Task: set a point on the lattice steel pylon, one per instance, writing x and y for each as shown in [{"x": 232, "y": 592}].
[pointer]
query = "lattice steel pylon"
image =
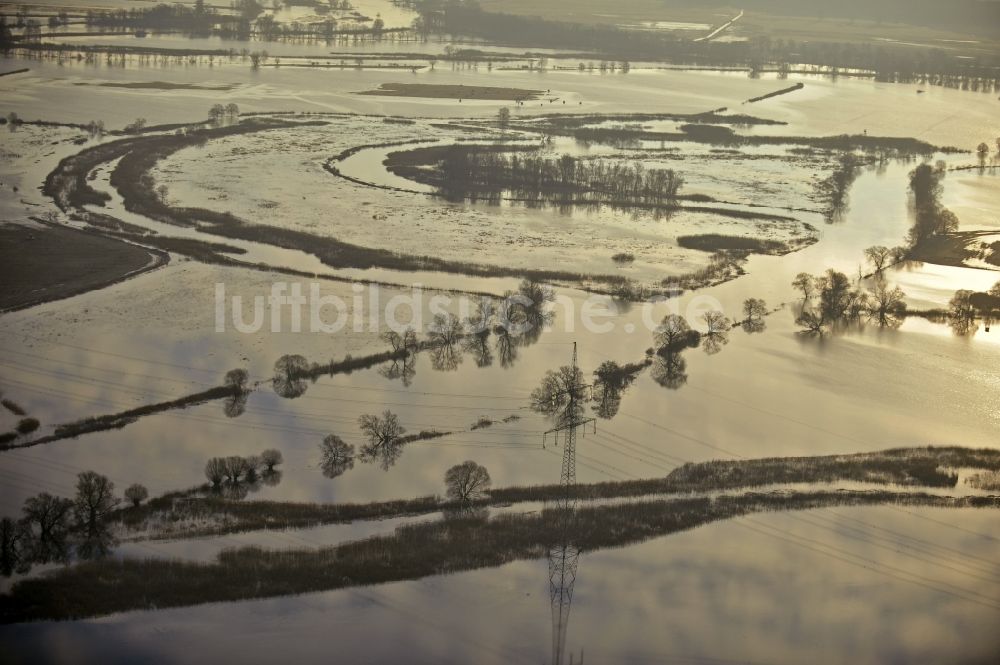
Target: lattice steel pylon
[{"x": 563, "y": 553}]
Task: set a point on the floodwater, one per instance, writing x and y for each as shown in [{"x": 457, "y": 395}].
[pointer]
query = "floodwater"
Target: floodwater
[
  {"x": 868, "y": 585},
  {"x": 858, "y": 585}
]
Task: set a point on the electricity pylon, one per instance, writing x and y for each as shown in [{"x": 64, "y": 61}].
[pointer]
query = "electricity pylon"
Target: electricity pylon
[{"x": 563, "y": 552}]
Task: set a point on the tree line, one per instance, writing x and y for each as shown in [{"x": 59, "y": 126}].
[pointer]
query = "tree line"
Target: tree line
[
  {"x": 559, "y": 179},
  {"x": 454, "y": 18},
  {"x": 55, "y": 529}
]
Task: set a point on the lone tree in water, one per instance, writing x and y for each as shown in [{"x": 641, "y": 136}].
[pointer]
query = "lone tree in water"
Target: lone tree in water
[
  {"x": 95, "y": 499},
  {"x": 136, "y": 494},
  {"x": 754, "y": 309},
  {"x": 336, "y": 451},
  {"x": 380, "y": 432},
  {"x": 878, "y": 255},
  {"x": 337, "y": 456},
  {"x": 887, "y": 306},
  {"x": 805, "y": 283},
  {"x": 962, "y": 312},
  {"x": 674, "y": 333},
  {"x": 467, "y": 481},
  {"x": 271, "y": 458}
]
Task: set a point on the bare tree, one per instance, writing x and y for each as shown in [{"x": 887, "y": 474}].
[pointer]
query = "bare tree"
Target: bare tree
[
  {"x": 235, "y": 466},
  {"x": 717, "y": 331},
  {"x": 135, "y": 126},
  {"x": 558, "y": 388},
  {"x": 835, "y": 295},
  {"x": 877, "y": 256},
  {"x": 380, "y": 431},
  {"x": 335, "y": 450},
  {"x": 859, "y": 302},
  {"x": 271, "y": 458},
  {"x": 446, "y": 330},
  {"x": 236, "y": 403},
  {"x": 467, "y": 481},
  {"x": 754, "y": 309},
  {"x": 674, "y": 333},
  {"x": 716, "y": 322},
  {"x": 95, "y": 499},
  {"x": 136, "y": 494},
  {"x": 216, "y": 113},
  {"x": 15, "y": 537},
  {"x": 252, "y": 465},
  {"x": 670, "y": 371},
  {"x": 289, "y": 376},
  {"x": 50, "y": 513},
  {"x": 887, "y": 306},
  {"x": 811, "y": 322},
  {"x": 961, "y": 312},
  {"x": 805, "y": 283},
  {"x": 536, "y": 292},
  {"x": 503, "y": 118},
  {"x": 236, "y": 379},
  {"x": 393, "y": 339},
  {"x": 215, "y": 470}
]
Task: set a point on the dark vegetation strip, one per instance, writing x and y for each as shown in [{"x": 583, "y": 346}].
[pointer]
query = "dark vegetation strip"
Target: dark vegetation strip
[
  {"x": 120, "y": 420},
  {"x": 901, "y": 466},
  {"x": 124, "y": 418},
  {"x": 414, "y": 551},
  {"x": 714, "y": 242},
  {"x": 13, "y": 407},
  {"x": 783, "y": 91},
  {"x": 716, "y": 135},
  {"x": 15, "y": 71},
  {"x": 453, "y": 91},
  {"x": 714, "y": 117}
]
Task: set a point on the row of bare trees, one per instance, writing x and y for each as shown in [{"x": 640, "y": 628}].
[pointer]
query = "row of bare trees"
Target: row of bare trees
[
  {"x": 832, "y": 298},
  {"x": 57, "y": 529},
  {"x": 236, "y": 469}
]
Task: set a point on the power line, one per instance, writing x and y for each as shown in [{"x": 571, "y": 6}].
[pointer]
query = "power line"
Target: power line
[{"x": 860, "y": 561}]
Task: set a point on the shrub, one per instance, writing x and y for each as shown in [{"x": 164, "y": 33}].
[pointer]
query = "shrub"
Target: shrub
[
  {"x": 27, "y": 425},
  {"x": 136, "y": 494},
  {"x": 623, "y": 257}
]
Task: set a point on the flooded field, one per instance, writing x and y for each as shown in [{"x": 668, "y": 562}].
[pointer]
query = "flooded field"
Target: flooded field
[{"x": 298, "y": 189}]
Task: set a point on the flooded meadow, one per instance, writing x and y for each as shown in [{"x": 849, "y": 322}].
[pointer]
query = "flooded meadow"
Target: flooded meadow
[{"x": 284, "y": 245}]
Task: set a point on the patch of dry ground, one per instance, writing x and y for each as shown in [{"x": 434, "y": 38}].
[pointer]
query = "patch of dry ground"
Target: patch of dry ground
[{"x": 42, "y": 263}]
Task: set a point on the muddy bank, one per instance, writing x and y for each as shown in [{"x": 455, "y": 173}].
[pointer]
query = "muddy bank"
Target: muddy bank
[{"x": 49, "y": 262}]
